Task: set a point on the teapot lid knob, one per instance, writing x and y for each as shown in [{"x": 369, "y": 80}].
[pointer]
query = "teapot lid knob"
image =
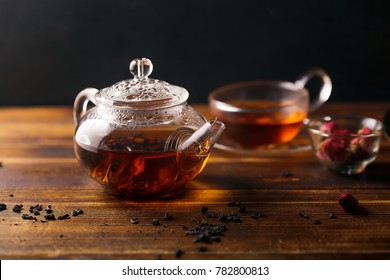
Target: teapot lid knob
[{"x": 141, "y": 68}]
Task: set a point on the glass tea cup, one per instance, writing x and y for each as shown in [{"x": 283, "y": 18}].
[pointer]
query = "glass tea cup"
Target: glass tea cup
[{"x": 262, "y": 112}]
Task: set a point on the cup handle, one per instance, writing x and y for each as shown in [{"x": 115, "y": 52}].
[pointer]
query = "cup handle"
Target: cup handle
[
  {"x": 80, "y": 105},
  {"x": 326, "y": 87}
]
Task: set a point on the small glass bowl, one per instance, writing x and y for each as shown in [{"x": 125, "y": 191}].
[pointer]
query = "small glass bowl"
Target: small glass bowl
[{"x": 345, "y": 144}]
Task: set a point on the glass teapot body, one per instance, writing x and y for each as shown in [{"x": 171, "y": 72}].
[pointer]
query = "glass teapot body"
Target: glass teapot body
[
  {"x": 148, "y": 149},
  {"x": 138, "y": 159}
]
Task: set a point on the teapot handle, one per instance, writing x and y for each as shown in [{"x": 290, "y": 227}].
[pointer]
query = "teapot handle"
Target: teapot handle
[
  {"x": 80, "y": 105},
  {"x": 325, "y": 90}
]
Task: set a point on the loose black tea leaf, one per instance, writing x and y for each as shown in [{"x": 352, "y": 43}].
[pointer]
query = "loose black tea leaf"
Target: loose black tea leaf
[
  {"x": 168, "y": 217},
  {"x": 204, "y": 209},
  {"x": 222, "y": 218},
  {"x": 202, "y": 249},
  {"x": 77, "y": 212},
  {"x": 50, "y": 217},
  {"x": 317, "y": 222},
  {"x": 48, "y": 210},
  {"x": 11, "y": 195},
  {"x": 242, "y": 209},
  {"x": 332, "y": 216},
  {"x": 234, "y": 219},
  {"x": 3, "y": 206},
  {"x": 17, "y": 208},
  {"x": 155, "y": 222},
  {"x": 285, "y": 174},
  {"x": 28, "y": 217},
  {"x": 64, "y": 217},
  {"x": 134, "y": 221},
  {"x": 178, "y": 253},
  {"x": 226, "y": 218},
  {"x": 304, "y": 215},
  {"x": 206, "y": 232},
  {"x": 257, "y": 214},
  {"x": 35, "y": 207}
]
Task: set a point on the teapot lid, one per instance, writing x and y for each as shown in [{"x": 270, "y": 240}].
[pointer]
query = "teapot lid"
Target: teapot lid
[{"x": 142, "y": 91}]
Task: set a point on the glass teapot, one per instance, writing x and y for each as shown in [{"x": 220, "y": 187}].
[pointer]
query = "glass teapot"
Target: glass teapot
[{"x": 142, "y": 139}]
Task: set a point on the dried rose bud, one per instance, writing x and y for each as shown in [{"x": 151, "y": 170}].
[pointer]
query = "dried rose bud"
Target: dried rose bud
[
  {"x": 335, "y": 149},
  {"x": 362, "y": 147},
  {"x": 359, "y": 142},
  {"x": 348, "y": 202},
  {"x": 365, "y": 131},
  {"x": 329, "y": 127}
]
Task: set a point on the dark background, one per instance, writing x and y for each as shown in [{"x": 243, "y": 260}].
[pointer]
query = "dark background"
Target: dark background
[{"x": 50, "y": 50}]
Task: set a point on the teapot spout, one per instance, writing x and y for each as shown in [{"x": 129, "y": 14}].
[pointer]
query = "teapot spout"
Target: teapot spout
[{"x": 203, "y": 139}]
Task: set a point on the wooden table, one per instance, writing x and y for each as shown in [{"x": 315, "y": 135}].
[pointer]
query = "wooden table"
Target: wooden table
[{"x": 38, "y": 167}]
